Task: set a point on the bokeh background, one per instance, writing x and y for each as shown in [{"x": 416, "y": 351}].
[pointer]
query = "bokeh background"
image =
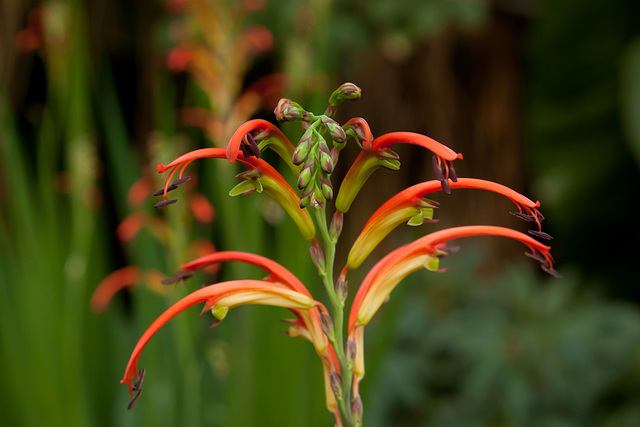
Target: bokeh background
[{"x": 542, "y": 96}]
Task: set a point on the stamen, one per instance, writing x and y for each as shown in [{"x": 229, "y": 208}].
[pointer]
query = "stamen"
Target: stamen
[
  {"x": 138, "y": 384},
  {"x": 550, "y": 270},
  {"x": 180, "y": 181},
  {"x": 165, "y": 203},
  {"x": 537, "y": 257},
  {"x": 541, "y": 234},
  {"x": 437, "y": 169},
  {"x": 452, "y": 172},
  {"x": 177, "y": 277},
  {"x": 445, "y": 186},
  {"x": 524, "y": 216},
  {"x": 161, "y": 191},
  {"x": 134, "y": 400}
]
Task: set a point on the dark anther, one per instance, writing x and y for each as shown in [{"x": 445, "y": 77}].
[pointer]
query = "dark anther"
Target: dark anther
[
  {"x": 537, "y": 257},
  {"x": 160, "y": 192},
  {"x": 180, "y": 181},
  {"x": 177, "y": 277},
  {"x": 452, "y": 173},
  {"x": 541, "y": 234},
  {"x": 524, "y": 216},
  {"x": 138, "y": 384},
  {"x": 249, "y": 146},
  {"x": 134, "y": 400},
  {"x": 445, "y": 186},
  {"x": 437, "y": 170},
  {"x": 214, "y": 324},
  {"x": 165, "y": 203},
  {"x": 550, "y": 270}
]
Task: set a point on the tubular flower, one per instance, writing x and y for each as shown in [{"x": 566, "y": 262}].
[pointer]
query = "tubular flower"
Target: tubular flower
[
  {"x": 443, "y": 155},
  {"x": 261, "y": 177},
  {"x": 218, "y": 299},
  {"x": 266, "y": 135},
  {"x": 381, "y": 155},
  {"x": 277, "y": 272},
  {"x": 409, "y": 205},
  {"x": 306, "y": 325},
  {"x": 422, "y": 253}
]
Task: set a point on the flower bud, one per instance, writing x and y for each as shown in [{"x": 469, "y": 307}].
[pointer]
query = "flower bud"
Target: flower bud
[
  {"x": 326, "y": 188},
  {"x": 350, "y": 351},
  {"x": 305, "y": 176},
  {"x": 342, "y": 288},
  {"x": 317, "y": 256},
  {"x": 326, "y": 162},
  {"x": 301, "y": 152},
  {"x": 335, "y": 130},
  {"x": 327, "y": 326},
  {"x": 288, "y": 111},
  {"x": 335, "y": 380},
  {"x": 356, "y": 410},
  {"x": 346, "y": 91},
  {"x": 335, "y": 227}
]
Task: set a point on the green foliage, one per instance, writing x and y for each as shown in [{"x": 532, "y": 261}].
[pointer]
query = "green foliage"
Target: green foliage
[{"x": 471, "y": 352}]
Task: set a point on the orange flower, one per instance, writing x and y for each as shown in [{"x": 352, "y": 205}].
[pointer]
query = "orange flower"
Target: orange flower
[
  {"x": 422, "y": 253},
  {"x": 409, "y": 205},
  {"x": 380, "y": 155},
  {"x": 261, "y": 177},
  {"x": 218, "y": 299}
]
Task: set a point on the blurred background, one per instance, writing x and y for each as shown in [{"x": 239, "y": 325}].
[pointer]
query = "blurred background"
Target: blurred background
[{"x": 542, "y": 96}]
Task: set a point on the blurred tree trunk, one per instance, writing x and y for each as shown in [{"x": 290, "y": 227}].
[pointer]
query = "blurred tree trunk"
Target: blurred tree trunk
[{"x": 464, "y": 90}]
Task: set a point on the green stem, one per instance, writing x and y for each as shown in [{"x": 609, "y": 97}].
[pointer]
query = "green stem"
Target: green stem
[{"x": 337, "y": 306}]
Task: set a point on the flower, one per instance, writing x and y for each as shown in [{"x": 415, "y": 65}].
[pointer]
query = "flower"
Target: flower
[
  {"x": 422, "y": 253},
  {"x": 267, "y": 134},
  {"x": 409, "y": 205},
  {"x": 261, "y": 177},
  {"x": 218, "y": 299},
  {"x": 380, "y": 155},
  {"x": 307, "y": 322}
]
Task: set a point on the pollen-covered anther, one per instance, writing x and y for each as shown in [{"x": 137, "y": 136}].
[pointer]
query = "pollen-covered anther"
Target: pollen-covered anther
[
  {"x": 548, "y": 269},
  {"x": 162, "y": 191},
  {"x": 537, "y": 257},
  {"x": 177, "y": 277},
  {"x": 541, "y": 234},
  {"x": 180, "y": 181},
  {"x": 521, "y": 215},
  {"x": 172, "y": 186},
  {"x": 165, "y": 203},
  {"x": 444, "y": 171},
  {"x": 137, "y": 387}
]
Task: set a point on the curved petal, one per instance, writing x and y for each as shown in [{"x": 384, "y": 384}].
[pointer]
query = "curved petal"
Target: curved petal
[
  {"x": 394, "y": 267},
  {"x": 390, "y": 139},
  {"x": 407, "y": 203},
  {"x": 282, "y": 275},
  {"x": 270, "y": 179},
  {"x": 219, "y": 299},
  {"x": 284, "y": 148}
]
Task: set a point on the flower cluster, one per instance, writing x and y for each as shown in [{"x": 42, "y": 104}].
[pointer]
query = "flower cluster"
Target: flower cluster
[{"x": 337, "y": 339}]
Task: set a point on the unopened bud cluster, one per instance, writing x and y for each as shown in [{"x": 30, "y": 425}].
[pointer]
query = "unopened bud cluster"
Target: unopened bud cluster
[{"x": 318, "y": 148}]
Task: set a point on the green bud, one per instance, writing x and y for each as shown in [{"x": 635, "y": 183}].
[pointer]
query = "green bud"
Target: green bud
[
  {"x": 305, "y": 177},
  {"x": 288, "y": 111},
  {"x": 335, "y": 130}
]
